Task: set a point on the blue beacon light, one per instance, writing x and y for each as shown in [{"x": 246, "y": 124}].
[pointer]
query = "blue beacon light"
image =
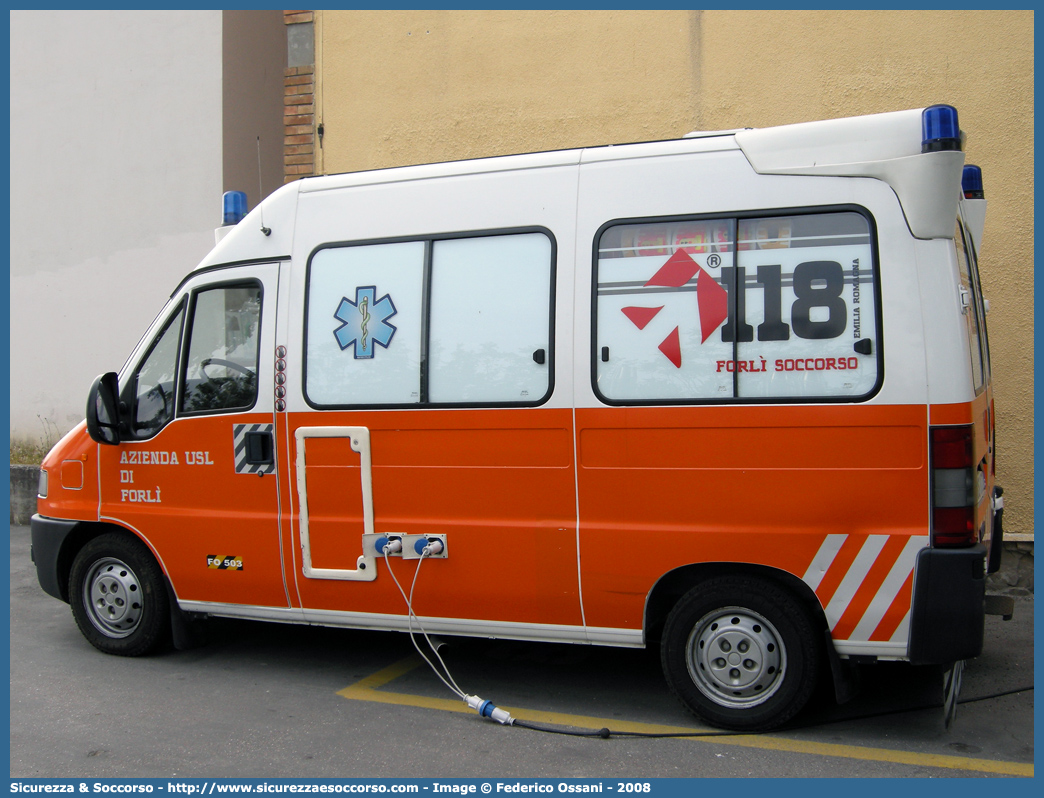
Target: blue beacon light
[
  {"x": 233, "y": 207},
  {"x": 939, "y": 129},
  {"x": 971, "y": 182}
]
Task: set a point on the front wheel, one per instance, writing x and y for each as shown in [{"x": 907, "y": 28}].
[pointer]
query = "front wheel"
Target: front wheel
[
  {"x": 741, "y": 653},
  {"x": 118, "y": 597}
]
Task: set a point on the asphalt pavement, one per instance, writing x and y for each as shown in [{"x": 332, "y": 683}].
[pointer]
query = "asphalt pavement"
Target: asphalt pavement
[{"x": 266, "y": 700}]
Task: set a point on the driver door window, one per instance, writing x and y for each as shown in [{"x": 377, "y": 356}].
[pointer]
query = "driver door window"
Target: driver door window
[
  {"x": 222, "y": 361},
  {"x": 154, "y": 382}
]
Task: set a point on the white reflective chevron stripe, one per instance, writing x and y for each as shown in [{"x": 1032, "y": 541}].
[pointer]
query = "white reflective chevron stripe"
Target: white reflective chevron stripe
[
  {"x": 821, "y": 562},
  {"x": 890, "y": 588},
  {"x": 854, "y": 587},
  {"x": 854, "y": 578},
  {"x": 902, "y": 631}
]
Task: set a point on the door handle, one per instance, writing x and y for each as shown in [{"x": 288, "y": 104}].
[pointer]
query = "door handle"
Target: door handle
[{"x": 259, "y": 448}]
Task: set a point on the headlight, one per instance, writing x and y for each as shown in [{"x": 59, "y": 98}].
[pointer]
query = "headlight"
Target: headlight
[{"x": 41, "y": 490}]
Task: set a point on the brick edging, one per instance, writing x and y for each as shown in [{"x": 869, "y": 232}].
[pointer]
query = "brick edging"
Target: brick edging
[{"x": 298, "y": 112}]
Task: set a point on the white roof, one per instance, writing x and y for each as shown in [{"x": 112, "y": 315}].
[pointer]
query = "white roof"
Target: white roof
[{"x": 882, "y": 146}]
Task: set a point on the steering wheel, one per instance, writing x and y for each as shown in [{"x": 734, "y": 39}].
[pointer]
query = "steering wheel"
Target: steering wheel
[{"x": 228, "y": 364}]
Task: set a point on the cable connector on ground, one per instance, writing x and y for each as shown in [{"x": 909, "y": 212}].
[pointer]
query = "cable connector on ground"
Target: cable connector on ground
[{"x": 487, "y": 709}]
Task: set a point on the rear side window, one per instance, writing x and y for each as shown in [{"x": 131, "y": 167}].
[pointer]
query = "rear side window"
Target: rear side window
[
  {"x": 773, "y": 307},
  {"x": 455, "y": 321},
  {"x": 973, "y": 310}
]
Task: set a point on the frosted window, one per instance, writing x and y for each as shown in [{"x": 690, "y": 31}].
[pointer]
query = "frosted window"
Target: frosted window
[
  {"x": 364, "y": 325},
  {"x": 660, "y": 304},
  {"x": 809, "y": 298},
  {"x": 490, "y": 319},
  {"x": 705, "y": 310}
]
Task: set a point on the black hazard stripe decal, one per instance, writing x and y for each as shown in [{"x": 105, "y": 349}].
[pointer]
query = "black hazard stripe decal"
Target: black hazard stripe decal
[
  {"x": 222, "y": 563},
  {"x": 239, "y": 447}
]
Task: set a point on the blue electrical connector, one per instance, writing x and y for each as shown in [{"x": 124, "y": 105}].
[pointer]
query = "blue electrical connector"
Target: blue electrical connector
[
  {"x": 487, "y": 709},
  {"x": 427, "y": 547},
  {"x": 387, "y": 546}
]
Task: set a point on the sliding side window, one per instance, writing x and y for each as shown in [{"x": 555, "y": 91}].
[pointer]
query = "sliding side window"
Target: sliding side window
[{"x": 462, "y": 321}]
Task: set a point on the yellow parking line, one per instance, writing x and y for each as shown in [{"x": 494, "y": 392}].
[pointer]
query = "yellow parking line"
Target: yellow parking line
[
  {"x": 367, "y": 689},
  {"x": 385, "y": 675}
]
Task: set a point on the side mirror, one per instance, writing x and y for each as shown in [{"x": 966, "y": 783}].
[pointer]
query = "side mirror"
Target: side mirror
[{"x": 103, "y": 417}]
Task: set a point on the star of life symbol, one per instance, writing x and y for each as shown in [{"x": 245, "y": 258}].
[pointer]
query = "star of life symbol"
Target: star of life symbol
[
  {"x": 711, "y": 298},
  {"x": 365, "y": 322}
]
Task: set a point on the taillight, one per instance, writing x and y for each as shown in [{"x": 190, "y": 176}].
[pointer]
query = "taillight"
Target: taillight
[{"x": 954, "y": 487}]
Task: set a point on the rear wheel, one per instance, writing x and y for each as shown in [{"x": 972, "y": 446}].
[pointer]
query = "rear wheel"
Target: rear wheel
[
  {"x": 118, "y": 597},
  {"x": 741, "y": 653}
]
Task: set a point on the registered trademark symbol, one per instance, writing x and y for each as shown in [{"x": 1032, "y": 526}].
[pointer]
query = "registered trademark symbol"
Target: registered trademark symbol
[{"x": 714, "y": 261}]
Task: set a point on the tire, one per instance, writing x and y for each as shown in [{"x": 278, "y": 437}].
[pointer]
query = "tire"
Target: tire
[
  {"x": 118, "y": 596},
  {"x": 741, "y": 653}
]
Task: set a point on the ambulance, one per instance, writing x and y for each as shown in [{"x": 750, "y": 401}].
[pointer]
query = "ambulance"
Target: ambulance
[{"x": 728, "y": 395}]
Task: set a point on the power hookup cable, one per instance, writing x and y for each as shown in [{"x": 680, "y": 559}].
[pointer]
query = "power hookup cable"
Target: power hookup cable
[
  {"x": 487, "y": 709},
  {"x": 412, "y": 616}
]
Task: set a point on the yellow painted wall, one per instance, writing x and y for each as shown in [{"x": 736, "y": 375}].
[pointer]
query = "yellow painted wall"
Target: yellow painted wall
[
  {"x": 401, "y": 87},
  {"x": 803, "y": 65}
]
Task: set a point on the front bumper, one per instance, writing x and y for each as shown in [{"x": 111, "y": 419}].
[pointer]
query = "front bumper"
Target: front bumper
[{"x": 48, "y": 536}]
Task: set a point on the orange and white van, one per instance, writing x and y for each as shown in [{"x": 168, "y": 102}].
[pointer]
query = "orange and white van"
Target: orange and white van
[{"x": 728, "y": 394}]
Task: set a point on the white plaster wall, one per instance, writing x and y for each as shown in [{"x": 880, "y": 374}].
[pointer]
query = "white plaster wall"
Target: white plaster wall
[{"x": 116, "y": 170}]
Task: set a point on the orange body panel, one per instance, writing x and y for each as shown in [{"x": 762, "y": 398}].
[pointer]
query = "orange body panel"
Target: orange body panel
[
  {"x": 180, "y": 492},
  {"x": 665, "y": 487},
  {"x": 498, "y": 483},
  {"x": 659, "y": 488},
  {"x": 335, "y": 503},
  {"x": 72, "y": 478}
]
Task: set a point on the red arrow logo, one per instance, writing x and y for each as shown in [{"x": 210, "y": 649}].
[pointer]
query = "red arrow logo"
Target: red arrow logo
[{"x": 711, "y": 298}]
